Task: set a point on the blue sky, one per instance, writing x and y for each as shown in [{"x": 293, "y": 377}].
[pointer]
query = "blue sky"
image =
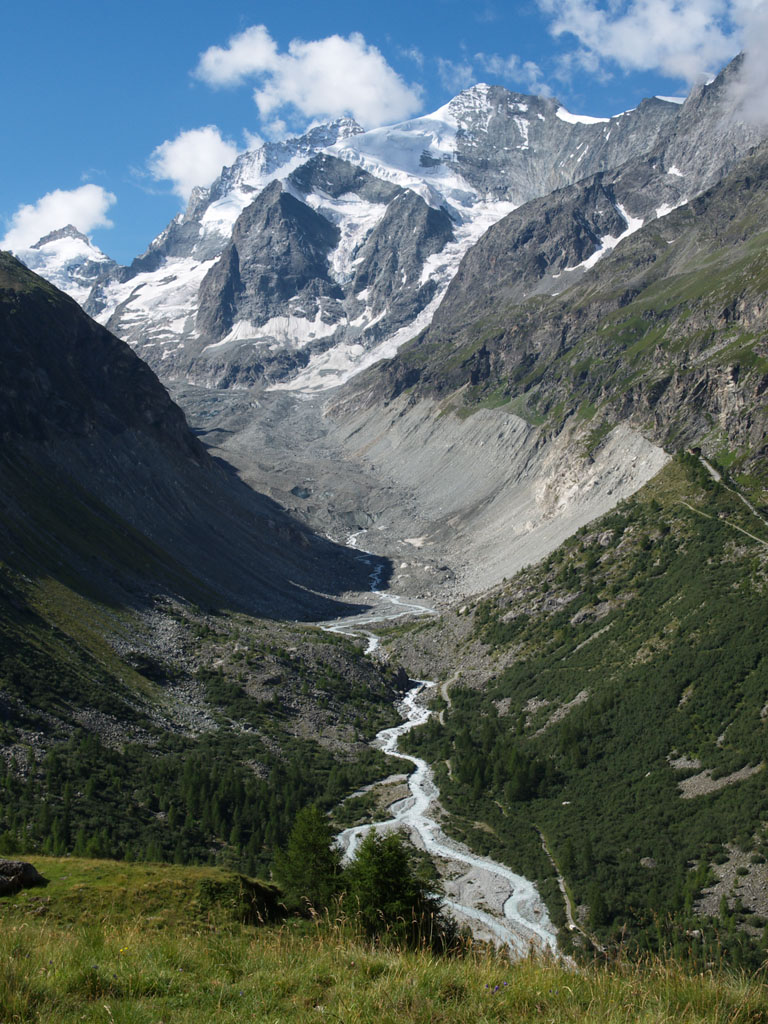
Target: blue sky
[{"x": 114, "y": 95}]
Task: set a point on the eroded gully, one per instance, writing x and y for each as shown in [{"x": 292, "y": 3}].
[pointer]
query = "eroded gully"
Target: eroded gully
[{"x": 495, "y": 902}]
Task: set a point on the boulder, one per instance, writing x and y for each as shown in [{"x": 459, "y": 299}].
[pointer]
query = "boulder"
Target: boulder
[{"x": 16, "y": 875}]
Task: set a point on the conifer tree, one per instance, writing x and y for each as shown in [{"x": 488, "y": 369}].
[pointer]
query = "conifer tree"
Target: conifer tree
[
  {"x": 384, "y": 886},
  {"x": 308, "y": 869}
]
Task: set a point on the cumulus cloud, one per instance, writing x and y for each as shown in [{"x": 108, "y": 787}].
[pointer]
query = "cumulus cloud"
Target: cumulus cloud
[
  {"x": 194, "y": 157},
  {"x": 680, "y": 38},
  {"x": 252, "y": 52},
  {"x": 457, "y": 75},
  {"x": 85, "y": 208},
  {"x": 327, "y": 77}
]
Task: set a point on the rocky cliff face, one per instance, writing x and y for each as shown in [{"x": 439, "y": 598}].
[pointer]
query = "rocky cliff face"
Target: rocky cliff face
[
  {"x": 546, "y": 245},
  {"x": 276, "y": 261},
  {"x": 515, "y": 147}
]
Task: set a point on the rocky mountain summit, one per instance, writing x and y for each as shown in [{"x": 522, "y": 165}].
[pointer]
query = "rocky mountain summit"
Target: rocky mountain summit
[
  {"x": 68, "y": 259},
  {"x": 367, "y": 229}
]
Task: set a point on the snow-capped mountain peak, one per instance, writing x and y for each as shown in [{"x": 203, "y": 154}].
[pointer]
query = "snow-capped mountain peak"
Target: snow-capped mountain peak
[
  {"x": 68, "y": 259},
  {"x": 69, "y": 231},
  {"x": 311, "y": 256}
]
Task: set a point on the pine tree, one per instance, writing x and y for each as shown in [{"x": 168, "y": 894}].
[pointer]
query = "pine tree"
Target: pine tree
[
  {"x": 308, "y": 869},
  {"x": 385, "y": 888}
]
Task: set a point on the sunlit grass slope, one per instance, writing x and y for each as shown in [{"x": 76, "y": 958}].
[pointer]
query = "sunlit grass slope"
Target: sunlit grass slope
[{"x": 132, "y": 944}]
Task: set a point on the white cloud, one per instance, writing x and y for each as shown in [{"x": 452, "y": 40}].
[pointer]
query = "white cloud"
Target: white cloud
[
  {"x": 680, "y": 38},
  {"x": 252, "y": 52},
  {"x": 458, "y": 75},
  {"x": 577, "y": 61},
  {"x": 455, "y": 75},
  {"x": 512, "y": 69},
  {"x": 328, "y": 77},
  {"x": 85, "y": 208},
  {"x": 252, "y": 139},
  {"x": 276, "y": 129},
  {"x": 193, "y": 158},
  {"x": 750, "y": 91},
  {"x": 414, "y": 53}
]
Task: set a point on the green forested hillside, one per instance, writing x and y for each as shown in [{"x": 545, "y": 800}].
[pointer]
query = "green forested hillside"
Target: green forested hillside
[
  {"x": 633, "y": 660},
  {"x": 140, "y": 716},
  {"x": 203, "y": 751}
]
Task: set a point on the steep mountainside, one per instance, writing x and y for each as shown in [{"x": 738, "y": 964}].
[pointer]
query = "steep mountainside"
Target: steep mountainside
[
  {"x": 125, "y": 673},
  {"x": 666, "y": 332},
  {"x": 81, "y": 413},
  {"x": 611, "y": 703}
]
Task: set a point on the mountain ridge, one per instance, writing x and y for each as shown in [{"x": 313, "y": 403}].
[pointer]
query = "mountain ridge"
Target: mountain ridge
[{"x": 483, "y": 153}]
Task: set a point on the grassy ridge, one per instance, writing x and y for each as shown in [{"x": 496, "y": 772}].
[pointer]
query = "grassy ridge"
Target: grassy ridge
[{"x": 95, "y": 946}]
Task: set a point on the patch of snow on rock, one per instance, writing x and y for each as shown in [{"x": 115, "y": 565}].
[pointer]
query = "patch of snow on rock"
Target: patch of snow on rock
[{"x": 569, "y": 118}]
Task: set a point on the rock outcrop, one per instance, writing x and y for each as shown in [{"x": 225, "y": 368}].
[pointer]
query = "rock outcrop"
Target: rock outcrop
[{"x": 16, "y": 875}]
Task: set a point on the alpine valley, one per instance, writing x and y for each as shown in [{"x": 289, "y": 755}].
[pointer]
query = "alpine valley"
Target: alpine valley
[{"x": 487, "y": 391}]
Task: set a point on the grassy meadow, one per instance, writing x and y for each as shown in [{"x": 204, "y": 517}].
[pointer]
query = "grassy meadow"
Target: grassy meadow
[{"x": 144, "y": 944}]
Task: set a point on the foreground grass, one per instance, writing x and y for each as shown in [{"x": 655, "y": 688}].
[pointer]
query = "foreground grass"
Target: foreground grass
[{"x": 123, "y": 965}]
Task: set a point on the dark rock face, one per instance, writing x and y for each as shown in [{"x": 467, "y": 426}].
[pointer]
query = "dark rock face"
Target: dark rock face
[
  {"x": 71, "y": 376},
  {"x": 69, "y": 231},
  {"x": 277, "y": 266},
  {"x": 542, "y": 239},
  {"x": 517, "y": 147},
  {"x": 538, "y": 249},
  {"x": 16, "y": 875},
  {"x": 278, "y": 254},
  {"x": 327, "y": 174},
  {"x": 392, "y": 257},
  {"x": 667, "y": 331}
]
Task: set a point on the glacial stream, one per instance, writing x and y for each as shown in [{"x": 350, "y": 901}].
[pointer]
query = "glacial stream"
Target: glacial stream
[{"x": 497, "y": 904}]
